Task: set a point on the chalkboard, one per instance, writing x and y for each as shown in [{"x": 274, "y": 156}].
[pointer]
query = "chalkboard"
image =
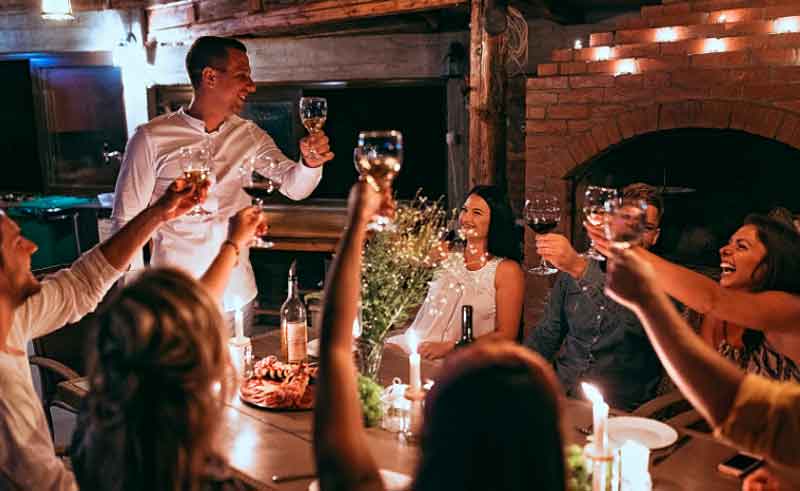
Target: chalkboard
[{"x": 276, "y": 119}]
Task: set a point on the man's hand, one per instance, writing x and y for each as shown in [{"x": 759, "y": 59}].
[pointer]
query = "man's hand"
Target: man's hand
[
  {"x": 180, "y": 197},
  {"x": 630, "y": 279},
  {"x": 246, "y": 224},
  {"x": 557, "y": 249},
  {"x": 431, "y": 350},
  {"x": 315, "y": 149},
  {"x": 365, "y": 202}
]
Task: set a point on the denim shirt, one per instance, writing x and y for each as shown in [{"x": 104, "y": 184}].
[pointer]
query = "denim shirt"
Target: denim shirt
[{"x": 603, "y": 342}]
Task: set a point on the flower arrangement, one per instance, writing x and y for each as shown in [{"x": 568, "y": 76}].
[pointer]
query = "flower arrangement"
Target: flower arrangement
[{"x": 397, "y": 268}]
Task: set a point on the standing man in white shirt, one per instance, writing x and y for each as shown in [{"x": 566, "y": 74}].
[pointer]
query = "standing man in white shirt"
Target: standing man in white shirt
[{"x": 219, "y": 70}]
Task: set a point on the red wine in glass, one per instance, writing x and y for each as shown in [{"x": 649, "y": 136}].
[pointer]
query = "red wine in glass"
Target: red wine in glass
[{"x": 542, "y": 227}]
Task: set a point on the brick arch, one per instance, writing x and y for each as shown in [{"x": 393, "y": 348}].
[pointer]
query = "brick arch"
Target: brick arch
[{"x": 750, "y": 117}]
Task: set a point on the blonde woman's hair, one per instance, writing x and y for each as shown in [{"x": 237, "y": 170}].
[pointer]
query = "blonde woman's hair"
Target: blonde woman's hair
[{"x": 159, "y": 375}]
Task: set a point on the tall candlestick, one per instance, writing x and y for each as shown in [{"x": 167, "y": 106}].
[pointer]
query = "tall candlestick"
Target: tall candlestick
[
  {"x": 238, "y": 323},
  {"x": 414, "y": 375},
  {"x": 599, "y": 419}
]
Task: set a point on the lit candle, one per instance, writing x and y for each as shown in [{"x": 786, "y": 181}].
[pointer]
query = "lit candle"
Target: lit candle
[
  {"x": 786, "y": 24},
  {"x": 635, "y": 461},
  {"x": 599, "y": 419},
  {"x": 666, "y": 35},
  {"x": 238, "y": 324},
  {"x": 714, "y": 45},
  {"x": 578, "y": 44},
  {"x": 602, "y": 53},
  {"x": 414, "y": 376}
]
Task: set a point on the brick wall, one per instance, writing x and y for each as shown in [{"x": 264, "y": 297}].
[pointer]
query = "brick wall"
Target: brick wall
[{"x": 705, "y": 64}]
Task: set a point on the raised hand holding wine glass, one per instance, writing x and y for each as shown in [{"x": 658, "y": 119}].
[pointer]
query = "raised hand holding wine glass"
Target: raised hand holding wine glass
[
  {"x": 260, "y": 178},
  {"x": 378, "y": 158},
  {"x": 314, "y": 147},
  {"x": 195, "y": 165},
  {"x": 542, "y": 214},
  {"x": 594, "y": 210}
]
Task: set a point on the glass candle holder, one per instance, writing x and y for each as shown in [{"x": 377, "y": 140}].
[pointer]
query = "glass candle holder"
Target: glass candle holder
[{"x": 241, "y": 353}]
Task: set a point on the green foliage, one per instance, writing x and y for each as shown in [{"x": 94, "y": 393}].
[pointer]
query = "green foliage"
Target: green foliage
[
  {"x": 370, "y": 394},
  {"x": 579, "y": 476},
  {"x": 397, "y": 266}
]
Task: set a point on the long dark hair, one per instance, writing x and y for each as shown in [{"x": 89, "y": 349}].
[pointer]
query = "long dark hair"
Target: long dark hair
[
  {"x": 502, "y": 239},
  {"x": 154, "y": 356},
  {"x": 780, "y": 268},
  {"x": 493, "y": 423}
]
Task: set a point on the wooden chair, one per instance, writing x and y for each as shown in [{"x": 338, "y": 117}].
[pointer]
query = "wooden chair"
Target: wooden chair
[{"x": 58, "y": 356}]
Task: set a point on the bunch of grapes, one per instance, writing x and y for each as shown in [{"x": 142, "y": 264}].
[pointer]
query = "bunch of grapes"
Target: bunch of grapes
[
  {"x": 370, "y": 394},
  {"x": 580, "y": 476}
]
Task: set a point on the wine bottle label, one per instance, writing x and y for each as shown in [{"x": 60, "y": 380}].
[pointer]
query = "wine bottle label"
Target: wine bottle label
[{"x": 296, "y": 339}]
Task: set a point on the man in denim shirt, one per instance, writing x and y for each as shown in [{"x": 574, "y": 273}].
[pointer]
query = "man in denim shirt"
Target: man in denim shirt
[{"x": 603, "y": 342}]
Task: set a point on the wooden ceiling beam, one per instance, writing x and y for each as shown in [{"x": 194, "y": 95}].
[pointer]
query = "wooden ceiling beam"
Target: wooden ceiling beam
[{"x": 176, "y": 22}]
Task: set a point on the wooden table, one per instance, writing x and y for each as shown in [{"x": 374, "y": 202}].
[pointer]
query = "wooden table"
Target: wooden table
[{"x": 261, "y": 443}]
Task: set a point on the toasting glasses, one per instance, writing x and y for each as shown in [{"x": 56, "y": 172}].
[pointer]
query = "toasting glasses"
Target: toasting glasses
[
  {"x": 260, "y": 177},
  {"x": 625, "y": 222},
  {"x": 313, "y": 113},
  {"x": 196, "y": 167},
  {"x": 378, "y": 158},
  {"x": 594, "y": 210},
  {"x": 542, "y": 213}
]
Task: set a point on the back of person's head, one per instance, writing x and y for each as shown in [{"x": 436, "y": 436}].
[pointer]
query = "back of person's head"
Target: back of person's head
[
  {"x": 502, "y": 240},
  {"x": 157, "y": 371},
  {"x": 493, "y": 423},
  {"x": 780, "y": 268},
  {"x": 209, "y": 51},
  {"x": 647, "y": 193}
]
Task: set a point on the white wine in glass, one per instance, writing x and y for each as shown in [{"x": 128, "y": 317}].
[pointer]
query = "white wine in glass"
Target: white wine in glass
[
  {"x": 594, "y": 210},
  {"x": 196, "y": 169},
  {"x": 313, "y": 113},
  {"x": 378, "y": 158}
]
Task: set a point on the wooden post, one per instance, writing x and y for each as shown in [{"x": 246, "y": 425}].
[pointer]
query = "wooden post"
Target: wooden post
[{"x": 487, "y": 115}]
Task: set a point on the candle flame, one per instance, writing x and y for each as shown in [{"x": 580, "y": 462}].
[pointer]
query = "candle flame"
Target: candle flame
[
  {"x": 787, "y": 24},
  {"x": 666, "y": 35},
  {"x": 715, "y": 45},
  {"x": 412, "y": 340},
  {"x": 602, "y": 53},
  {"x": 592, "y": 393},
  {"x": 578, "y": 44}
]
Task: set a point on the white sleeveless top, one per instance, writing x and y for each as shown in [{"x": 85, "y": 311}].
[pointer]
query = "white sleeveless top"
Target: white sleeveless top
[{"x": 439, "y": 317}]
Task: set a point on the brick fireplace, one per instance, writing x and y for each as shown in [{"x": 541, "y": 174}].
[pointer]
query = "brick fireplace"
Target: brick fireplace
[{"x": 726, "y": 65}]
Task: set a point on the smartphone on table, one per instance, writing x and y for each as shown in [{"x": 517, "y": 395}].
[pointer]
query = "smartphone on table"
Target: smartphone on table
[{"x": 740, "y": 465}]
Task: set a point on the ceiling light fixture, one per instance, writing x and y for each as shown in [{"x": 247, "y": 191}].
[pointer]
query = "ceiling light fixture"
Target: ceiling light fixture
[{"x": 57, "y": 10}]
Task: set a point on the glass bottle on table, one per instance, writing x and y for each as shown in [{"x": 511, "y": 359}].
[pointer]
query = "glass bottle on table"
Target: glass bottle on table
[
  {"x": 294, "y": 325},
  {"x": 542, "y": 214},
  {"x": 466, "y": 327},
  {"x": 378, "y": 158}
]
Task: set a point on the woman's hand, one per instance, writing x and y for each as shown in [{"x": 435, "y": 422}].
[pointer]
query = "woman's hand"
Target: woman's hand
[
  {"x": 431, "y": 350},
  {"x": 246, "y": 224},
  {"x": 180, "y": 197},
  {"x": 630, "y": 279},
  {"x": 762, "y": 480}
]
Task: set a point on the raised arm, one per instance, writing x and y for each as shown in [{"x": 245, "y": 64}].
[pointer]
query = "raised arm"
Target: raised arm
[
  {"x": 247, "y": 223},
  {"x": 764, "y": 311},
  {"x": 342, "y": 456},
  {"x": 708, "y": 380}
]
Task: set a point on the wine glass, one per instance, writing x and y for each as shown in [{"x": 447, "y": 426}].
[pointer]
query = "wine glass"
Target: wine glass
[
  {"x": 594, "y": 210},
  {"x": 196, "y": 169},
  {"x": 542, "y": 213},
  {"x": 260, "y": 177},
  {"x": 313, "y": 113},
  {"x": 378, "y": 158},
  {"x": 625, "y": 222}
]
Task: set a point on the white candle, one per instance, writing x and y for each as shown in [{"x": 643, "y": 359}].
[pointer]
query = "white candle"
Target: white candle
[
  {"x": 599, "y": 418},
  {"x": 635, "y": 461},
  {"x": 238, "y": 323},
  {"x": 414, "y": 375},
  {"x": 239, "y": 349}
]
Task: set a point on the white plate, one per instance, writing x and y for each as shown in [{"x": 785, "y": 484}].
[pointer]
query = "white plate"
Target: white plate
[
  {"x": 649, "y": 432},
  {"x": 393, "y": 481}
]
